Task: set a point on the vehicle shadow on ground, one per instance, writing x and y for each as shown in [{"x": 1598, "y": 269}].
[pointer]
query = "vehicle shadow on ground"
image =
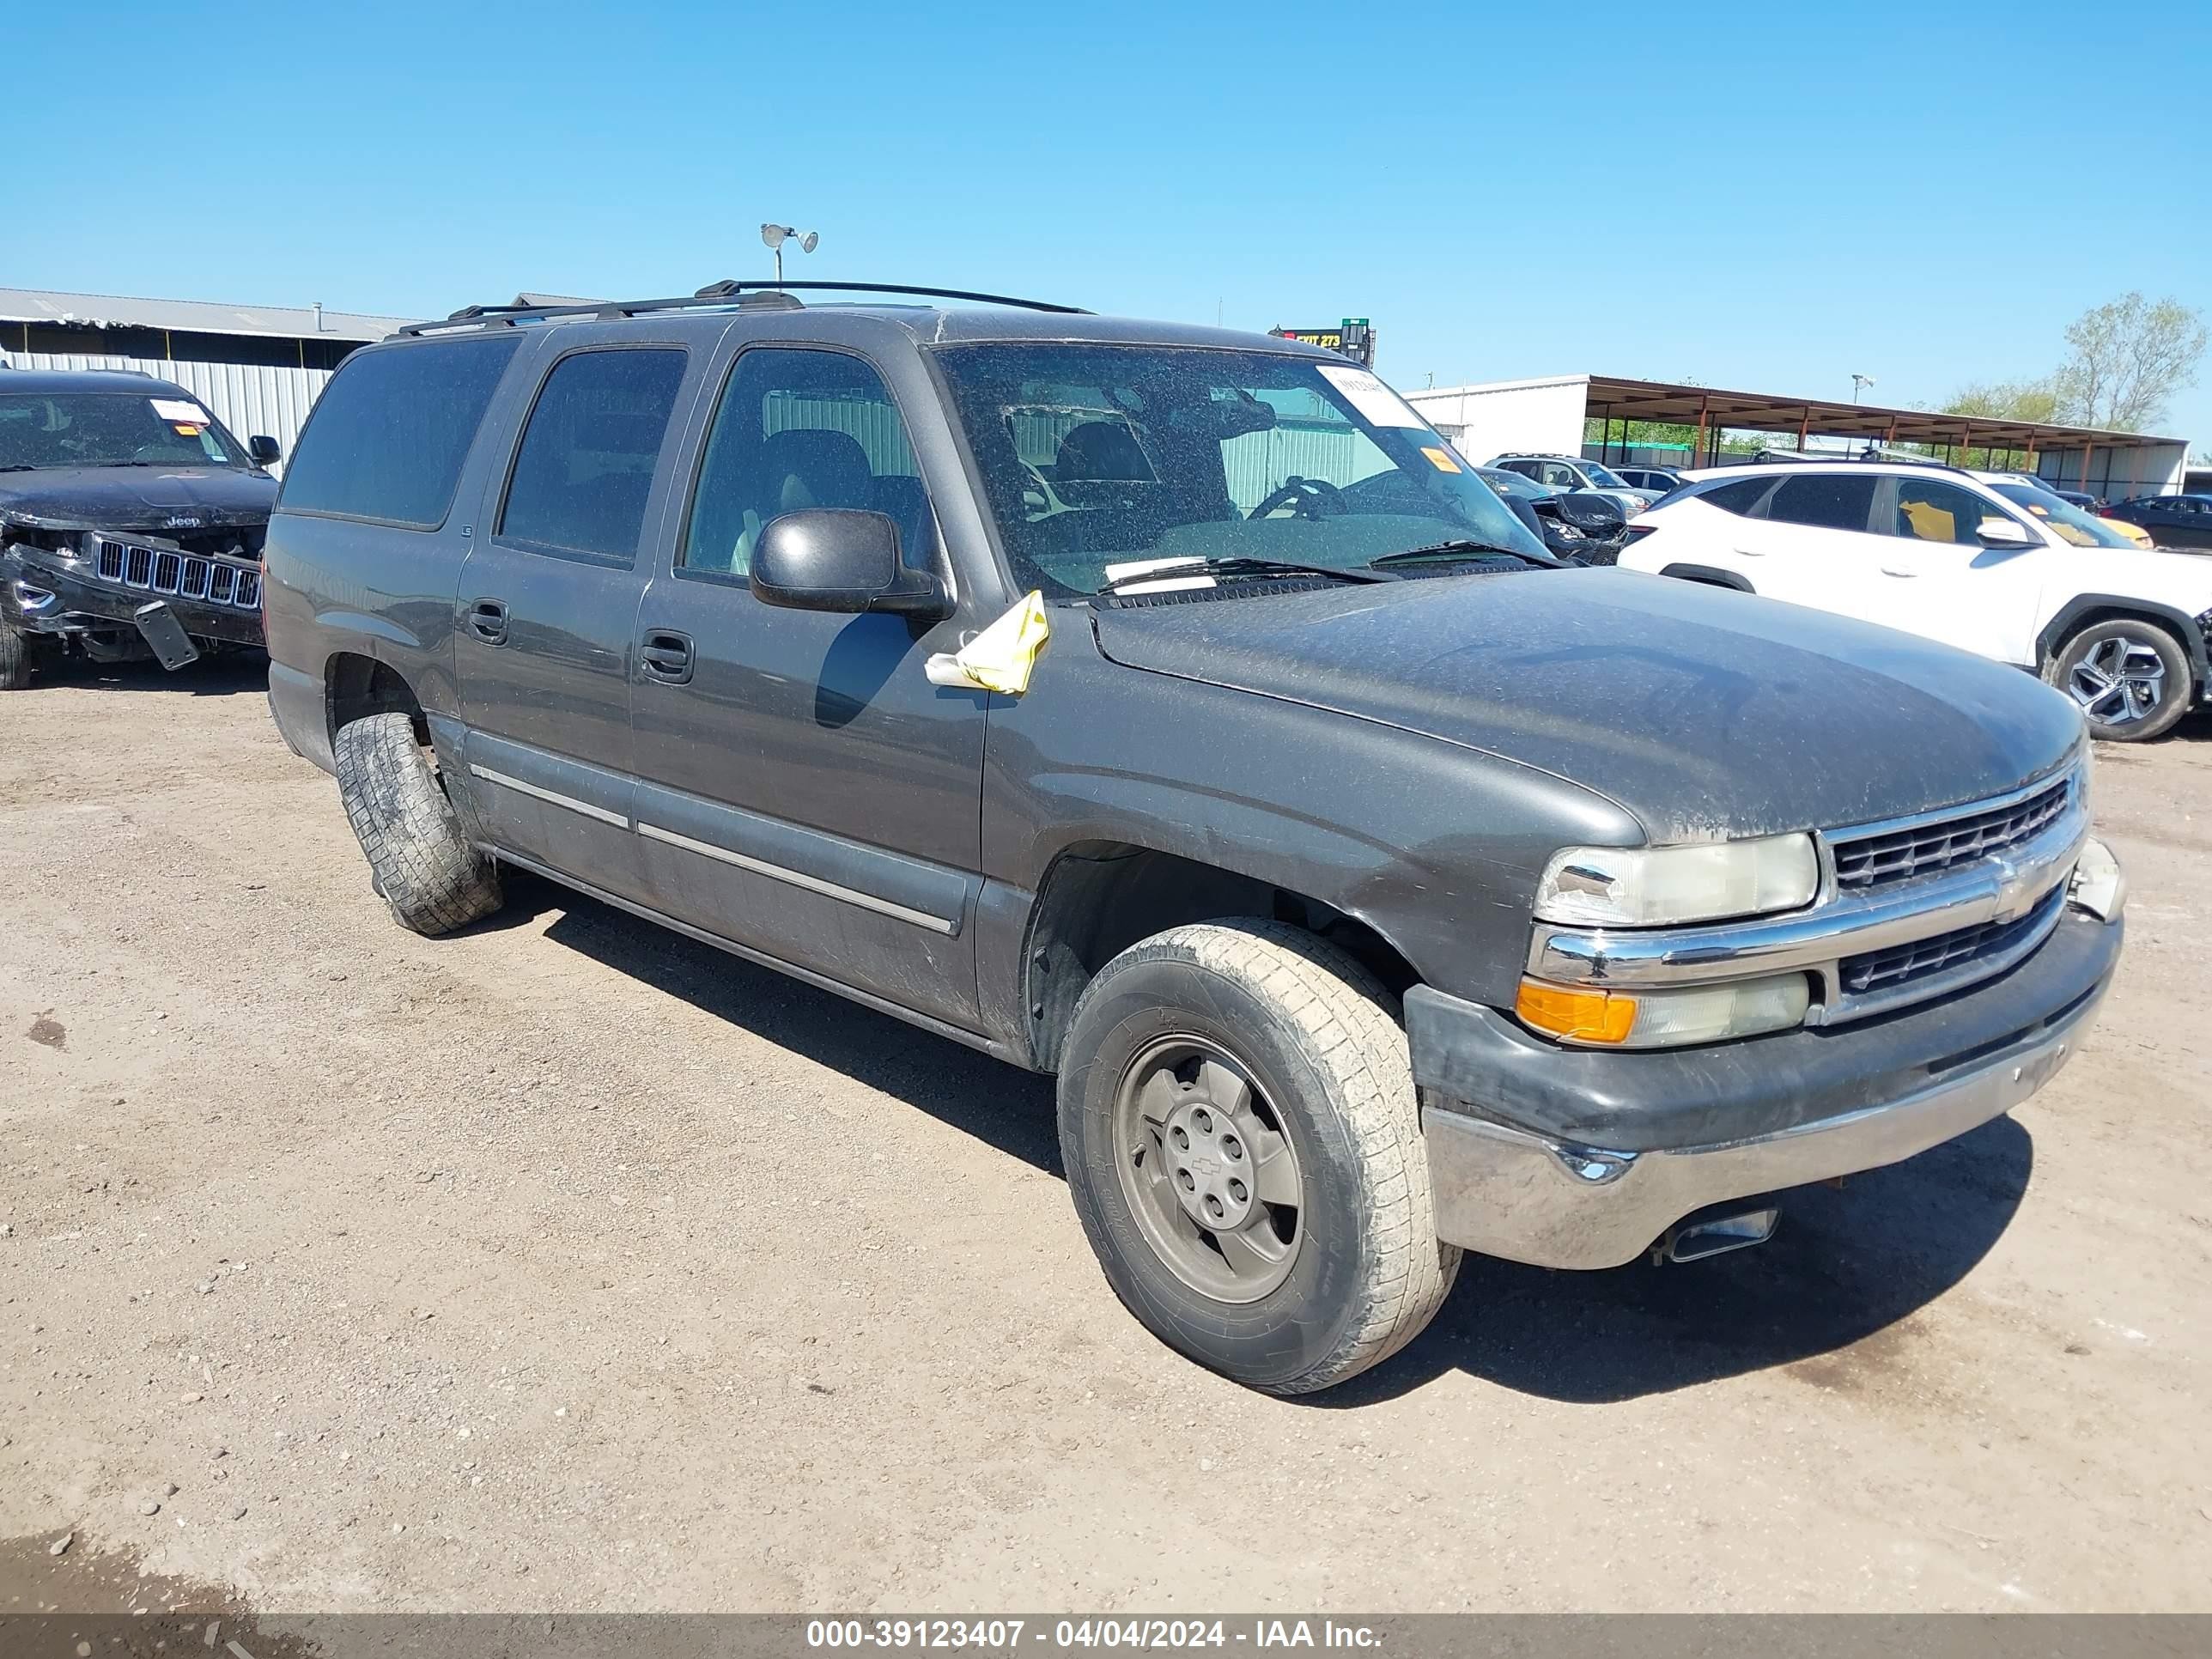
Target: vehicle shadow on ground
[
  {"x": 999, "y": 1104},
  {"x": 210, "y": 676},
  {"x": 1846, "y": 1266}
]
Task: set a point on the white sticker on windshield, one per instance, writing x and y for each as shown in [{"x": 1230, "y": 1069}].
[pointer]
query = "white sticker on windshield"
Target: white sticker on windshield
[
  {"x": 179, "y": 413},
  {"x": 1370, "y": 396}
]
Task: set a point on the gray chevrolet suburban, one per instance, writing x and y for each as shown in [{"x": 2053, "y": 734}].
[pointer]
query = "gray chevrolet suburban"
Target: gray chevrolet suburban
[{"x": 1376, "y": 887}]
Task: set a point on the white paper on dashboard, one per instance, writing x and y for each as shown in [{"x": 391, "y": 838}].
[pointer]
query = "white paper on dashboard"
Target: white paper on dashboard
[
  {"x": 1370, "y": 396},
  {"x": 182, "y": 413}
]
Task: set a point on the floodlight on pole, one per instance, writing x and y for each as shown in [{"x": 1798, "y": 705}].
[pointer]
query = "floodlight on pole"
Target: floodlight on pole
[
  {"x": 776, "y": 236},
  {"x": 1859, "y": 383}
]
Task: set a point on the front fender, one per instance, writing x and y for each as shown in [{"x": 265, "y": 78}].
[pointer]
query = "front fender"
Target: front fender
[{"x": 1436, "y": 847}]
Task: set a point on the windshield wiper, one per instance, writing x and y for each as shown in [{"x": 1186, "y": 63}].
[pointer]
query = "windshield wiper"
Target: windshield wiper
[
  {"x": 1238, "y": 566},
  {"x": 19, "y": 466},
  {"x": 1462, "y": 547}
]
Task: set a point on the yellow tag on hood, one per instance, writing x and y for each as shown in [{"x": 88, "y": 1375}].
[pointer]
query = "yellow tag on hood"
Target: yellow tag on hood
[{"x": 999, "y": 657}]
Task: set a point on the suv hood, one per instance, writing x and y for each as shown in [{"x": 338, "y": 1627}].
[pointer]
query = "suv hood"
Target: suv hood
[
  {"x": 146, "y": 498},
  {"x": 2167, "y": 576},
  {"x": 1706, "y": 713}
]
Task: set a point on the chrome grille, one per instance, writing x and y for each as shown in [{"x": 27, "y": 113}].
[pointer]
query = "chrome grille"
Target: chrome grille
[
  {"x": 1869, "y": 859},
  {"x": 1902, "y": 964},
  {"x": 187, "y": 575}
]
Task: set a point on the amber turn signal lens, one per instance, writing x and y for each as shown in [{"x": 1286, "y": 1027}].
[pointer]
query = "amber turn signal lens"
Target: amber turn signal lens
[{"x": 1580, "y": 1016}]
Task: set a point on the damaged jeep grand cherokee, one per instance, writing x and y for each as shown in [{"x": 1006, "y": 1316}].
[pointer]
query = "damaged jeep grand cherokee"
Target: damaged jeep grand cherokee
[
  {"x": 1171, "y": 710},
  {"x": 131, "y": 524}
]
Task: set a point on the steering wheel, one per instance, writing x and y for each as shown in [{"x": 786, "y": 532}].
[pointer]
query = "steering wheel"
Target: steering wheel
[{"x": 1307, "y": 498}]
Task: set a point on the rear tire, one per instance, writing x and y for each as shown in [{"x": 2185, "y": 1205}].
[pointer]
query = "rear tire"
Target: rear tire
[
  {"x": 2131, "y": 679},
  {"x": 1307, "y": 1060},
  {"x": 15, "y": 658},
  {"x": 421, "y": 859}
]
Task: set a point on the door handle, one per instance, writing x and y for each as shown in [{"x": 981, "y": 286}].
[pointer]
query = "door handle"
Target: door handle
[
  {"x": 488, "y": 621},
  {"x": 1751, "y": 552},
  {"x": 666, "y": 656},
  {"x": 1897, "y": 570}
]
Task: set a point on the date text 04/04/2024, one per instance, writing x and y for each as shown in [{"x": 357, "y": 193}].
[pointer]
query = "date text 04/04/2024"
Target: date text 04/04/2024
[{"x": 1010, "y": 1635}]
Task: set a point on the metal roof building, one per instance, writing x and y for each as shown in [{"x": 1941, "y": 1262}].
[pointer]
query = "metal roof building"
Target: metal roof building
[
  {"x": 259, "y": 367},
  {"x": 1554, "y": 416}
]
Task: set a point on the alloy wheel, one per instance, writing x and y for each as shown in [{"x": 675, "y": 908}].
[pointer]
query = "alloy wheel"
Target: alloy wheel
[{"x": 2119, "y": 681}]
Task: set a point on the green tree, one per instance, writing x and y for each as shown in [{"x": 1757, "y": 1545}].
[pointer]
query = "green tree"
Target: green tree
[
  {"x": 2130, "y": 357},
  {"x": 2037, "y": 401}
]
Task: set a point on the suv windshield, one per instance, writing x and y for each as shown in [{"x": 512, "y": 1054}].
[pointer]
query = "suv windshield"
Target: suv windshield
[
  {"x": 111, "y": 429},
  {"x": 1097, "y": 455},
  {"x": 2068, "y": 520},
  {"x": 1604, "y": 478}
]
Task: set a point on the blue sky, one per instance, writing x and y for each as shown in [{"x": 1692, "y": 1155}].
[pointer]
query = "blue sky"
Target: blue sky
[{"x": 1771, "y": 203}]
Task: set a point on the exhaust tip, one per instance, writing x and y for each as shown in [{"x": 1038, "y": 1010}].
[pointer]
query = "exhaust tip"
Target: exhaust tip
[{"x": 1716, "y": 1235}]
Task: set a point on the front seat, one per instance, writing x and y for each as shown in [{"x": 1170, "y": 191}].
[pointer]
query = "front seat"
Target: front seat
[
  {"x": 805, "y": 467},
  {"x": 1098, "y": 451}
]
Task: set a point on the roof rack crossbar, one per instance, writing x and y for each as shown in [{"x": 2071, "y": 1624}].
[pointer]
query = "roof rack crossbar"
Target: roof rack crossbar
[{"x": 713, "y": 296}]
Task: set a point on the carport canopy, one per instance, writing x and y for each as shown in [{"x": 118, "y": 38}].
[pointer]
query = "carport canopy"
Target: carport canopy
[{"x": 1709, "y": 409}]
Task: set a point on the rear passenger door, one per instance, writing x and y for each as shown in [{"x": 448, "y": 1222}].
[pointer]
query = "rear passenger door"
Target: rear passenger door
[
  {"x": 1814, "y": 542},
  {"x": 546, "y": 604},
  {"x": 802, "y": 790}
]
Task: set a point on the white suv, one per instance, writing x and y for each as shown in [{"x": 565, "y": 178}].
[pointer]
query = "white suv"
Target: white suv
[{"x": 1993, "y": 564}]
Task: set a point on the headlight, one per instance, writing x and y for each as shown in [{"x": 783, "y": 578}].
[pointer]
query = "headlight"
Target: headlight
[
  {"x": 1654, "y": 886},
  {"x": 1663, "y": 1019}
]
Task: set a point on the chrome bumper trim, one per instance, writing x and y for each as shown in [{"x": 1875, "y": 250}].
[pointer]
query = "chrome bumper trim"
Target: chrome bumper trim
[
  {"x": 2000, "y": 888},
  {"x": 1506, "y": 1192}
]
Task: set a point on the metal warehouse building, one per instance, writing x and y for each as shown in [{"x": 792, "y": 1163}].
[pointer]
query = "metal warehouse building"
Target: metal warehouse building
[
  {"x": 1556, "y": 415},
  {"x": 259, "y": 368}
]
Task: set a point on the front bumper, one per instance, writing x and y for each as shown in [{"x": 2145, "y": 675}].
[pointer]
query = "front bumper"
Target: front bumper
[
  {"x": 1584, "y": 1159},
  {"x": 78, "y": 600}
]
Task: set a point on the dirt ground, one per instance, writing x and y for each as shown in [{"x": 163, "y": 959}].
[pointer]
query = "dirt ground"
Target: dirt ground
[{"x": 569, "y": 1265}]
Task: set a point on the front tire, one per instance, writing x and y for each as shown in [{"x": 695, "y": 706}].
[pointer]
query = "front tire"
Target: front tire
[
  {"x": 424, "y": 865},
  {"x": 2130, "y": 679},
  {"x": 1243, "y": 1145},
  {"x": 15, "y": 658}
]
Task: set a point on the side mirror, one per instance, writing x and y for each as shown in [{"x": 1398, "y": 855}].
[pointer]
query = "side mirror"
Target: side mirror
[
  {"x": 265, "y": 450},
  {"x": 1998, "y": 532},
  {"x": 1597, "y": 516},
  {"x": 834, "y": 558}
]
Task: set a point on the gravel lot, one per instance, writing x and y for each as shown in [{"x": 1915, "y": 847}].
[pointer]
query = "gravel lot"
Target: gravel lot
[{"x": 569, "y": 1265}]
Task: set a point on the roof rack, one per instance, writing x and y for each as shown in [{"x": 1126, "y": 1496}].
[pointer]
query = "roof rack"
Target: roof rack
[
  {"x": 1876, "y": 453},
  {"x": 766, "y": 296}
]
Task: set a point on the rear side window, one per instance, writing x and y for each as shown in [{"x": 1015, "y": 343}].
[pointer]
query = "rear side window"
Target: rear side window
[
  {"x": 391, "y": 431},
  {"x": 1824, "y": 500},
  {"x": 585, "y": 465},
  {"x": 1740, "y": 496}
]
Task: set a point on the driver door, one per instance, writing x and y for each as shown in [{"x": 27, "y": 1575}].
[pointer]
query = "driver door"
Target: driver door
[
  {"x": 1934, "y": 577},
  {"x": 803, "y": 791}
]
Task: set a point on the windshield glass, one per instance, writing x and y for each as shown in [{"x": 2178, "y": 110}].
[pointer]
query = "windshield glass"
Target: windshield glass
[
  {"x": 1510, "y": 485},
  {"x": 1099, "y": 455},
  {"x": 111, "y": 429},
  {"x": 1605, "y": 478},
  {"x": 2069, "y": 521}
]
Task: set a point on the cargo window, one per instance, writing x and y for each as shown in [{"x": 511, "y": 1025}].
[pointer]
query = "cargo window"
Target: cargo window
[
  {"x": 585, "y": 467},
  {"x": 1824, "y": 500},
  {"x": 1741, "y": 496},
  {"x": 391, "y": 431}
]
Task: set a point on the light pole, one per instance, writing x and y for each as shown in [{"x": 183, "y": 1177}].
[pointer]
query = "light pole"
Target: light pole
[
  {"x": 1859, "y": 383},
  {"x": 776, "y": 236}
]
